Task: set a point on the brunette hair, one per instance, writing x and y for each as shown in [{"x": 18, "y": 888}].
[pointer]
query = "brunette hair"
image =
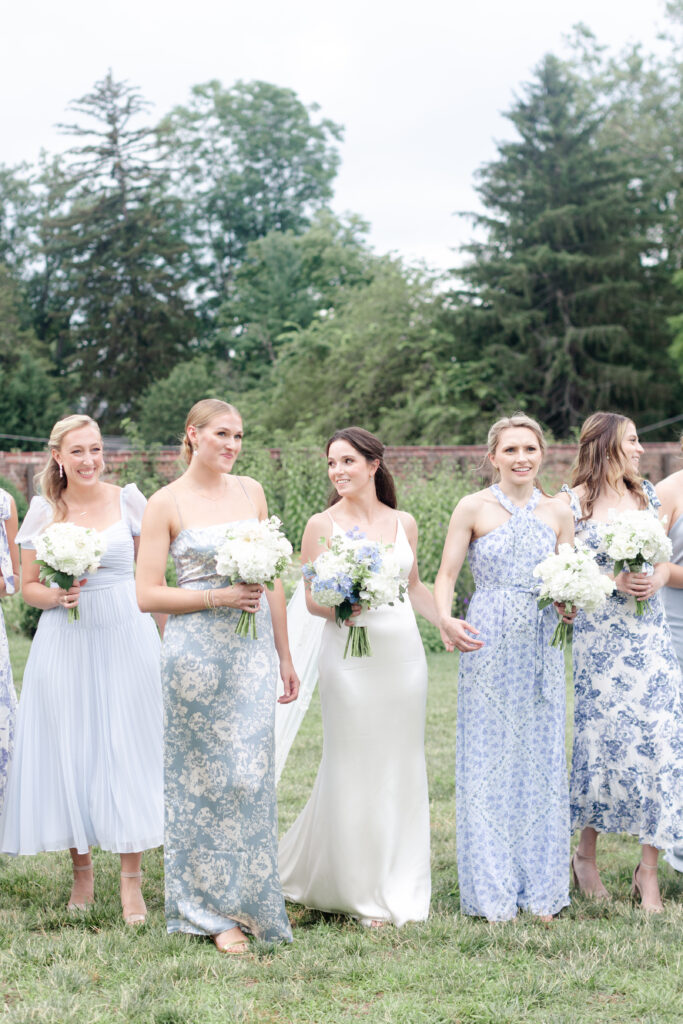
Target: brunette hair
[
  {"x": 518, "y": 419},
  {"x": 200, "y": 414},
  {"x": 372, "y": 449},
  {"x": 601, "y": 462},
  {"x": 51, "y": 483}
]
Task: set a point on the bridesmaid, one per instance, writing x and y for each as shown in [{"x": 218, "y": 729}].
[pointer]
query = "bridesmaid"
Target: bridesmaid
[
  {"x": 511, "y": 771},
  {"x": 627, "y": 764},
  {"x": 670, "y": 494},
  {"x": 220, "y": 845},
  {"x": 9, "y": 578},
  {"x": 87, "y": 764}
]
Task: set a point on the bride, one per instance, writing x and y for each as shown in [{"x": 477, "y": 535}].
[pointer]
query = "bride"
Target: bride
[{"x": 361, "y": 844}]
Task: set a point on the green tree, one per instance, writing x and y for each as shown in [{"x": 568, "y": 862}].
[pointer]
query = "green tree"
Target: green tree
[
  {"x": 284, "y": 281},
  {"x": 248, "y": 160},
  {"x": 29, "y": 400},
  {"x": 559, "y": 305},
  {"x": 118, "y": 256},
  {"x": 165, "y": 403},
  {"x": 360, "y": 362}
]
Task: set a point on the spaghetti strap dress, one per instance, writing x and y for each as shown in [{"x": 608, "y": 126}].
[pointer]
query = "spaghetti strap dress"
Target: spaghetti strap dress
[
  {"x": 87, "y": 765},
  {"x": 220, "y": 846},
  {"x": 361, "y": 844},
  {"x": 512, "y": 813}
]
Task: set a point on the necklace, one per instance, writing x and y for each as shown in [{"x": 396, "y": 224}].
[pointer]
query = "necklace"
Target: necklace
[{"x": 207, "y": 497}]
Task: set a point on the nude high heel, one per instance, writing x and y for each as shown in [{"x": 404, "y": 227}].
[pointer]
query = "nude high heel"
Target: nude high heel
[
  {"x": 649, "y": 908},
  {"x": 73, "y": 906},
  {"x": 130, "y": 915},
  {"x": 599, "y": 892}
]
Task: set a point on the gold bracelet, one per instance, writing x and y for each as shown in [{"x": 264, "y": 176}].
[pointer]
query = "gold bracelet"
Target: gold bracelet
[
  {"x": 212, "y": 599},
  {"x": 206, "y": 599}
]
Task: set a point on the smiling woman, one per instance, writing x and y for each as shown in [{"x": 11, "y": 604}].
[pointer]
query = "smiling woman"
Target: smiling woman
[
  {"x": 87, "y": 766},
  {"x": 220, "y": 847},
  {"x": 511, "y": 773}
]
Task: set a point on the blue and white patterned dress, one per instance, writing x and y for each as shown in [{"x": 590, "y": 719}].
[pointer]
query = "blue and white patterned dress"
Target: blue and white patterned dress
[
  {"x": 627, "y": 764},
  {"x": 220, "y": 837},
  {"x": 8, "y": 697},
  {"x": 511, "y": 771}
]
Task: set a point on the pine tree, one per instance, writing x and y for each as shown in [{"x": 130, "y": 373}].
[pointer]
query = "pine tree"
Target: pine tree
[
  {"x": 120, "y": 256},
  {"x": 558, "y": 301}
]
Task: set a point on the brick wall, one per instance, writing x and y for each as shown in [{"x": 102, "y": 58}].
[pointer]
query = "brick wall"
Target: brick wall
[{"x": 658, "y": 461}]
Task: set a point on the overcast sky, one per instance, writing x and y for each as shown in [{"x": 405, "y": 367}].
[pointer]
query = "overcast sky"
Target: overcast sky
[{"x": 419, "y": 87}]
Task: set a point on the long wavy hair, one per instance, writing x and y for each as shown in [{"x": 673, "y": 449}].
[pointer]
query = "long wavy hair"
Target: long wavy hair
[
  {"x": 200, "y": 414},
  {"x": 601, "y": 461},
  {"x": 371, "y": 448},
  {"x": 51, "y": 484}
]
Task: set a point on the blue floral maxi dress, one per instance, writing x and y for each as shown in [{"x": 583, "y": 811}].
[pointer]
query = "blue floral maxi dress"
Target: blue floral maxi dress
[
  {"x": 627, "y": 764},
  {"x": 8, "y": 697},
  {"x": 220, "y": 838},
  {"x": 511, "y": 771}
]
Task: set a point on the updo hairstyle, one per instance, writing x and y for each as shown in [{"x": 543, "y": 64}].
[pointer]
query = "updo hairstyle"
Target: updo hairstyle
[{"x": 199, "y": 416}]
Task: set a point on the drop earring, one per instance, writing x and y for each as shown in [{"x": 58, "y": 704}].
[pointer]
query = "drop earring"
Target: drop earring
[{"x": 61, "y": 471}]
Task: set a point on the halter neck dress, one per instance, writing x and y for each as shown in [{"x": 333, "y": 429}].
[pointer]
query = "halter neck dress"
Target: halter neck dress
[{"x": 511, "y": 771}]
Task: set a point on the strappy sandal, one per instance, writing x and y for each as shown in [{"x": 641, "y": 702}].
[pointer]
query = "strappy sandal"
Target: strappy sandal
[
  {"x": 133, "y": 916},
  {"x": 649, "y": 908},
  {"x": 73, "y": 906},
  {"x": 235, "y": 948}
]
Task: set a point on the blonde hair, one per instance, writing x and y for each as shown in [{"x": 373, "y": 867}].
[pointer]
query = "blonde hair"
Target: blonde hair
[
  {"x": 51, "y": 483},
  {"x": 601, "y": 461},
  {"x": 200, "y": 414}
]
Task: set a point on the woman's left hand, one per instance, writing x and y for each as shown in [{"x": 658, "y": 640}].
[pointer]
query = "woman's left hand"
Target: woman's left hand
[
  {"x": 291, "y": 683},
  {"x": 640, "y": 585}
]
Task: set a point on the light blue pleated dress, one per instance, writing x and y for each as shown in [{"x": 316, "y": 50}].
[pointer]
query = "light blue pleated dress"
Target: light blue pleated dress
[
  {"x": 87, "y": 765},
  {"x": 8, "y": 697},
  {"x": 220, "y": 846},
  {"x": 512, "y": 807}
]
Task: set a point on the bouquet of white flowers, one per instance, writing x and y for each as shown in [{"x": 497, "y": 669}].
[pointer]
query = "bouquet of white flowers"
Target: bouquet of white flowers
[
  {"x": 572, "y": 577},
  {"x": 355, "y": 571},
  {"x": 636, "y": 540},
  {"x": 65, "y": 552},
  {"x": 253, "y": 552}
]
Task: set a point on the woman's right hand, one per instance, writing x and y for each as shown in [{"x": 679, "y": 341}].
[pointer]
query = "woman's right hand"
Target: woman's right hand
[
  {"x": 67, "y": 598},
  {"x": 245, "y": 596},
  {"x": 458, "y": 633}
]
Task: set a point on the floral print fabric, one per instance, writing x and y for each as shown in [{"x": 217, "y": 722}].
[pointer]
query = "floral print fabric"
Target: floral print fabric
[
  {"x": 220, "y": 847},
  {"x": 627, "y": 764},
  {"x": 511, "y": 772}
]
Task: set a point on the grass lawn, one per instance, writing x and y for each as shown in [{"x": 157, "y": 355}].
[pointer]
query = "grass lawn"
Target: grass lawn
[{"x": 595, "y": 963}]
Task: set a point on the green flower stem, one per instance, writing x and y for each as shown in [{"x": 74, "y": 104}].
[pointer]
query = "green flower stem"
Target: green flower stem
[
  {"x": 246, "y": 625},
  {"x": 357, "y": 643}
]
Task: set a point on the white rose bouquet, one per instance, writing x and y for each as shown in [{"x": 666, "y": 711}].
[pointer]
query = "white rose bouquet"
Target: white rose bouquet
[
  {"x": 636, "y": 539},
  {"x": 65, "y": 552},
  {"x": 355, "y": 570},
  {"x": 253, "y": 552},
  {"x": 572, "y": 578}
]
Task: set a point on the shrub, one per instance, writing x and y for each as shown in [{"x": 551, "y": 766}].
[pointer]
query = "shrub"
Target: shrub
[{"x": 20, "y": 500}]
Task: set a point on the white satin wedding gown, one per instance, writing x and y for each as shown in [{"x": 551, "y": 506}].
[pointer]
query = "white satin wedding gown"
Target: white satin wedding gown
[{"x": 361, "y": 844}]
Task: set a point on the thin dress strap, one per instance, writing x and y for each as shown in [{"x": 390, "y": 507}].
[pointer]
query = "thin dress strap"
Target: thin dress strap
[
  {"x": 247, "y": 496},
  {"x": 180, "y": 515}
]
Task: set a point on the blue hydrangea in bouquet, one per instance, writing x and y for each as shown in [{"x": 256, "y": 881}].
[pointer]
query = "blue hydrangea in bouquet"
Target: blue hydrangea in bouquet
[{"x": 355, "y": 570}]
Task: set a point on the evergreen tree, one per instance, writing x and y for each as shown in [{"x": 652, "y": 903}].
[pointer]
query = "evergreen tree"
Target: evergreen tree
[
  {"x": 559, "y": 305},
  {"x": 118, "y": 257}
]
